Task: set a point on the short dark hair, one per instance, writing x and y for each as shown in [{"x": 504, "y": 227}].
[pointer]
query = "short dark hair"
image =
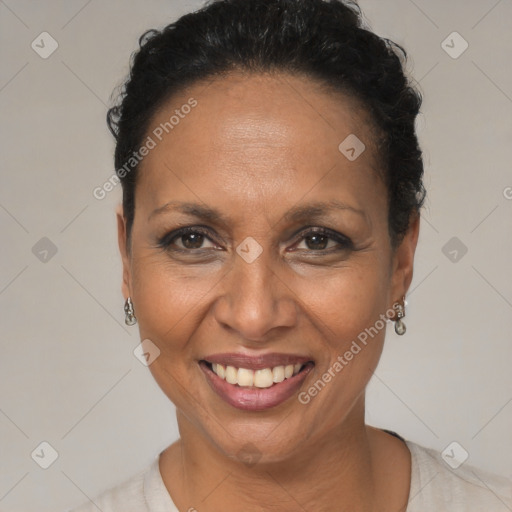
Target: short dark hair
[{"x": 320, "y": 39}]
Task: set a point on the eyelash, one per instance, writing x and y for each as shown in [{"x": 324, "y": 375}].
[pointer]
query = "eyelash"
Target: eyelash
[{"x": 344, "y": 242}]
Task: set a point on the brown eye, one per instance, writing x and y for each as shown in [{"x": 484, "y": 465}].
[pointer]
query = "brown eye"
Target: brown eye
[
  {"x": 316, "y": 241},
  {"x": 192, "y": 240},
  {"x": 187, "y": 239},
  {"x": 321, "y": 239}
]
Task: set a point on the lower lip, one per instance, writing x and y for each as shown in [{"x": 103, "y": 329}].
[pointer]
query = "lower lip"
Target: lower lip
[{"x": 252, "y": 398}]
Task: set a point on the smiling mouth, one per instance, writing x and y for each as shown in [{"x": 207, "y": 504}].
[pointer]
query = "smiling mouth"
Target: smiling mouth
[{"x": 261, "y": 378}]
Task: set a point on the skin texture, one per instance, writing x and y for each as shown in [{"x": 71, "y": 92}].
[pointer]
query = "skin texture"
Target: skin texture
[{"x": 255, "y": 147}]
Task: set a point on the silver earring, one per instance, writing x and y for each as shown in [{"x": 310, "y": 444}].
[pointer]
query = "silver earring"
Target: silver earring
[
  {"x": 399, "y": 324},
  {"x": 130, "y": 314}
]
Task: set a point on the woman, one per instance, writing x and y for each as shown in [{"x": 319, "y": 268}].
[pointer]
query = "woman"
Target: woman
[{"x": 272, "y": 185}]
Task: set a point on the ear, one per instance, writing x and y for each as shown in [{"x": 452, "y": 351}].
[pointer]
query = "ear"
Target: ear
[
  {"x": 125, "y": 257},
  {"x": 403, "y": 260}
]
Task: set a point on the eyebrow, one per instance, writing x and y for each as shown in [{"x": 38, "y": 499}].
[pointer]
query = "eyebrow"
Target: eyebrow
[
  {"x": 195, "y": 209},
  {"x": 311, "y": 210},
  {"x": 319, "y": 209}
]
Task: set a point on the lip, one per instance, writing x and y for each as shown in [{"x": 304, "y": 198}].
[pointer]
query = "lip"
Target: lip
[
  {"x": 252, "y": 398},
  {"x": 259, "y": 362}
]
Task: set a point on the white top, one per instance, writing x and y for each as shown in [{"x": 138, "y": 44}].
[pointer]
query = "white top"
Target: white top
[{"x": 435, "y": 487}]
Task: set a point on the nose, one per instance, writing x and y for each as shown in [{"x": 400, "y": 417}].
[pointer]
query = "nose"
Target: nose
[{"x": 255, "y": 301}]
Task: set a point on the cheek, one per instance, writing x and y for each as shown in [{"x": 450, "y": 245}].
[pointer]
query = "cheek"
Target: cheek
[
  {"x": 346, "y": 301},
  {"x": 170, "y": 301},
  {"x": 345, "y": 309},
  {"x": 170, "y": 304}
]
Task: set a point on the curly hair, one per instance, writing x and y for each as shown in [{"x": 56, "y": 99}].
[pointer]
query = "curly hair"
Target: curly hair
[{"x": 324, "y": 40}]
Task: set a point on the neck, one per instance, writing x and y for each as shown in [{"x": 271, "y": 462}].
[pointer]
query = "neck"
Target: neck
[{"x": 337, "y": 469}]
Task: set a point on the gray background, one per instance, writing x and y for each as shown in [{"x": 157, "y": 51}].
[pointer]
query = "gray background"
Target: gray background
[{"x": 68, "y": 373}]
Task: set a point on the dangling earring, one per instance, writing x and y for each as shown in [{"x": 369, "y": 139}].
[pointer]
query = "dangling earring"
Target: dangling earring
[
  {"x": 399, "y": 325},
  {"x": 130, "y": 314}
]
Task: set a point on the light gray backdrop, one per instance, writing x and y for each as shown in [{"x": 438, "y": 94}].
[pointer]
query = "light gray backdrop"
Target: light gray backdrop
[{"x": 68, "y": 374}]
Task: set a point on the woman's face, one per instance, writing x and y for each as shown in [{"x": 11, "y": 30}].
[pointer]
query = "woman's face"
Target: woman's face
[{"x": 288, "y": 261}]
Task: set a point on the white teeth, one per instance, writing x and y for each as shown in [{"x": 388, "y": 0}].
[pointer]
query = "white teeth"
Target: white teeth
[
  {"x": 278, "y": 374},
  {"x": 231, "y": 375},
  {"x": 246, "y": 377},
  {"x": 220, "y": 371},
  {"x": 263, "y": 378}
]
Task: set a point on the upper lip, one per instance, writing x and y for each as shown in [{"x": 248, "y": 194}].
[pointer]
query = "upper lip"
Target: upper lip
[{"x": 256, "y": 362}]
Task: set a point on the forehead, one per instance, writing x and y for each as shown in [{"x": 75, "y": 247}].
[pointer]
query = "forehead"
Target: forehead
[{"x": 251, "y": 138}]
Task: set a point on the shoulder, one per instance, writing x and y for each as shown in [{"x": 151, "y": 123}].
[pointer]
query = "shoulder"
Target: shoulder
[
  {"x": 143, "y": 492},
  {"x": 437, "y": 486},
  {"x": 128, "y": 496}
]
